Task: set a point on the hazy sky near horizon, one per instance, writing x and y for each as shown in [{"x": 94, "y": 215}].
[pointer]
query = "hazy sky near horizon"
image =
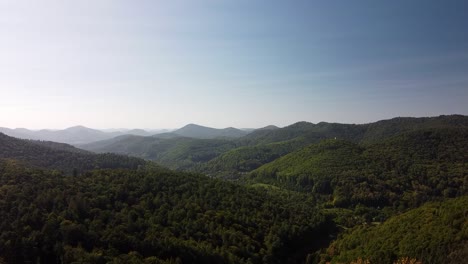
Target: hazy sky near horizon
[{"x": 243, "y": 63}]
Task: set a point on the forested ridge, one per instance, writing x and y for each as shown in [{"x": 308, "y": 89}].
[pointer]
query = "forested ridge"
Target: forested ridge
[
  {"x": 231, "y": 158},
  {"x": 393, "y": 191},
  {"x": 59, "y": 156},
  {"x": 174, "y": 152}
]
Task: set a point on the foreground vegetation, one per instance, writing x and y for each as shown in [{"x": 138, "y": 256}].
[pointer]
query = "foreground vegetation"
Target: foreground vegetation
[
  {"x": 148, "y": 215},
  {"x": 434, "y": 233}
]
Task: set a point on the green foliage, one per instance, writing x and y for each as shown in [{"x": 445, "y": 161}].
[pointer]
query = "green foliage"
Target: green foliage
[
  {"x": 189, "y": 152},
  {"x": 149, "y": 216},
  {"x": 241, "y": 160},
  {"x": 402, "y": 171},
  {"x": 434, "y": 233}
]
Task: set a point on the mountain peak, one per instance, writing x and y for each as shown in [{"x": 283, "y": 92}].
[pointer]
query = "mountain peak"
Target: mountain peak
[
  {"x": 191, "y": 125},
  {"x": 78, "y": 127},
  {"x": 269, "y": 127}
]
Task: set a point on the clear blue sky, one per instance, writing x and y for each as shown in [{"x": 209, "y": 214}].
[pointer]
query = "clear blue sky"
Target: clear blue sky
[{"x": 163, "y": 64}]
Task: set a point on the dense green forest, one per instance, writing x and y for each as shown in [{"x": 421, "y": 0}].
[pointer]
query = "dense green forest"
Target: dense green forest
[
  {"x": 152, "y": 216},
  {"x": 401, "y": 171},
  {"x": 394, "y": 191},
  {"x": 434, "y": 233}
]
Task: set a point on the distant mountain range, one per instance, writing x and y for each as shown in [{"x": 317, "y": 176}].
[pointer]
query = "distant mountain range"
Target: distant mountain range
[
  {"x": 72, "y": 135},
  {"x": 78, "y": 135}
]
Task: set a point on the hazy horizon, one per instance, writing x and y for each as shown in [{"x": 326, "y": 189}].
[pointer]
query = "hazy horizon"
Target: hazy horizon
[
  {"x": 245, "y": 64},
  {"x": 168, "y": 129}
]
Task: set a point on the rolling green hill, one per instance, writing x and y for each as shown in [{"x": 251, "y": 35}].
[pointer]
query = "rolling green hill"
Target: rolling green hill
[
  {"x": 238, "y": 161},
  {"x": 434, "y": 233},
  {"x": 175, "y": 153},
  {"x": 404, "y": 170},
  {"x": 312, "y": 132},
  {"x": 61, "y": 156}
]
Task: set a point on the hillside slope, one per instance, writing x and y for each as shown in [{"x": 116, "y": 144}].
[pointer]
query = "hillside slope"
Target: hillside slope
[
  {"x": 58, "y": 156},
  {"x": 433, "y": 233},
  {"x": 175, "y": 153},
  {"x": 404, "y": 170}
]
